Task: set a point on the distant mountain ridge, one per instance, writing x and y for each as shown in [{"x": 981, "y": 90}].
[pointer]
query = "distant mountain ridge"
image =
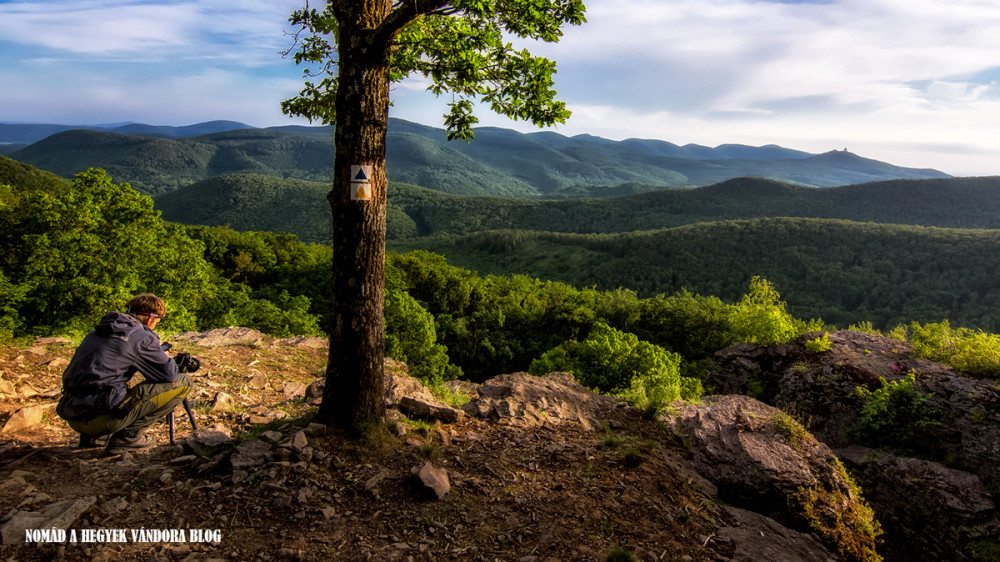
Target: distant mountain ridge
[
  {"x": 810, "y": 242},
  {"x": 27, "y": 133},
  {"x": 500, "y": 161},
  {"x": 257, "y": 202}
]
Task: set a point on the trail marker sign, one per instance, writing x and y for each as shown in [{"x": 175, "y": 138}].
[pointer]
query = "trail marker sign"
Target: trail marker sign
[{"x": 361, "y": 182}]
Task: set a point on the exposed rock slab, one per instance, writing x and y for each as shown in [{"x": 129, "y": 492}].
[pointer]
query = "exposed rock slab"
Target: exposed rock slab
[
  {"x": 744, "y": 447},
  {"x": 249, "y": 454},
  {"x": 224, "y": 336},
  {"x": 752, "y": 537},
  {"x": 206, "y": 441},
  {"x": 948, "y": 499},
  {"x": 24, "y": 419},
  {"x": 822, "y": 386},
  {"x": 304, "y": 341},
  {"x": 413, "y": 398},
  {"x": 58, "y": 515},
  {"x": 527, "y": 400}
]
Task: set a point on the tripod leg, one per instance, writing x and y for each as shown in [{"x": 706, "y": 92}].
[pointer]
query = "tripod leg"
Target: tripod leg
[
  {"x": 170, "y": 421},
  {"x": 187, "y": 408}
]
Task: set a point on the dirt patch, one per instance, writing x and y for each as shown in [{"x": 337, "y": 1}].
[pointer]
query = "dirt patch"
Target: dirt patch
[{"x": 553, "y": 492}]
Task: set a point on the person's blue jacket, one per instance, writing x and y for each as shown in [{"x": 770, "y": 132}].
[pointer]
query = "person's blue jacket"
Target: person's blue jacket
[{"x": 97, "y": 377}]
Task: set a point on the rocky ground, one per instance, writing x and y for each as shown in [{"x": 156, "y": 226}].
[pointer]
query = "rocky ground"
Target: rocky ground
[
  {"x": 517, "y": 468},
  {"x": 571, "y": 482},
  {"x": 941, "y": 473}
]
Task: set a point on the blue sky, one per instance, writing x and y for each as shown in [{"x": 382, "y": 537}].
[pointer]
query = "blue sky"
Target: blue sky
[{"x": 911, "y": 82}]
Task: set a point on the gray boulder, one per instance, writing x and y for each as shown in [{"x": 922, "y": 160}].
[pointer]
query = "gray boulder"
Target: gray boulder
[
  {"x": 949, "y": 499},
  {"x": 433, "y": 479},
  {"x": 752, "y": 537},
  {"x": 527, "y": 400},
  {"x": 413, "y": 398},
  {"x": 823, "y": 386},
  {"x": 59, "y": 515},
  {"x": 761, "y": 460}
]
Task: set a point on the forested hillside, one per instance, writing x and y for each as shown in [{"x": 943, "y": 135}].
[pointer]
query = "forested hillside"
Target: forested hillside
[
  {"x": 255, "y": 202},
  {"x": 154, "y": 165},
  {"x": 951, "y": 202},
  {"x": 843, "y": 272},
  {"x": 503, "y": 162},
  {"x": 71, "y": 251}
]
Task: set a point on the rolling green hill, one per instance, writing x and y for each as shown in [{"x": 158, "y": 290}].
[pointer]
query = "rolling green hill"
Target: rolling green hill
[
  {"x": 27, "y": 177},
  {"x": 833, "y": 262},
  {"x": 253, "y": 202},
  {"x": 155, "y": 165},
  {"x": 249, "y": 202},
  {"x": 500, "y": 162},
  {"x": 843, "y": 272},
  {"x": 27, "y": 133}
]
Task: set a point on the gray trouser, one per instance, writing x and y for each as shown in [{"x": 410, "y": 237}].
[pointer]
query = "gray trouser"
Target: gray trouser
[{"x": 146, "y": 403}]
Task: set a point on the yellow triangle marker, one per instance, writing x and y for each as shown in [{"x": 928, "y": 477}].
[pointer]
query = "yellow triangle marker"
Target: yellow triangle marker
[{"x": 361, "y": 193}]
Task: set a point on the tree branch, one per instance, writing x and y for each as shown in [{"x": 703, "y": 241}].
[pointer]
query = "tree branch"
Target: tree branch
[{"x": 406, "y": 11}]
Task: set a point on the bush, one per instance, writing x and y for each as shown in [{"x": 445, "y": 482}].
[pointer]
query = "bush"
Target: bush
[
  {"x": 819, "y": 345},
  {"x": 760, "y": 316},
  {"x": 972, "y": 352},
  {"x": 282, "y": 316},
  {"x": 410, "y": 336},
  {"x": 895, "y": 415},
  {"x": 617, "y": 362},
  {"x": 69, "y": 256}
]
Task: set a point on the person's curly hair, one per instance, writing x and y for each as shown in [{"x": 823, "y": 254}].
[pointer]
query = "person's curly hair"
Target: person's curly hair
[{"x": 146, "y": 303}]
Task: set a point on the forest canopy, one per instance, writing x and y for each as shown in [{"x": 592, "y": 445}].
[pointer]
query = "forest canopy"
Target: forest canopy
[{"x": 71, "y": 251}]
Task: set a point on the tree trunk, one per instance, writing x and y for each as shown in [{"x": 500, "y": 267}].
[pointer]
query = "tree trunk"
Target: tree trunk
[{"x": 353, "y": 397}]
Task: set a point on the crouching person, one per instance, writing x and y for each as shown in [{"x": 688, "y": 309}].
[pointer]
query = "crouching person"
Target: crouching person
[{"x": 97, "y": 401}]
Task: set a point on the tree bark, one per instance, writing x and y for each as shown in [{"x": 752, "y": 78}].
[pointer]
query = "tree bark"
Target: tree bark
[{"x": 353, "y": 396}]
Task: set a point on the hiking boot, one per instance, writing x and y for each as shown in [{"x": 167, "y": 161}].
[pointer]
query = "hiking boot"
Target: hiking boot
[
  {"x": 121, "y": 443},
  {"x": 90, "y": 442}
]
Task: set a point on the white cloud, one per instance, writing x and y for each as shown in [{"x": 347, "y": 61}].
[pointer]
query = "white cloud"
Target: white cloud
[
  {"x": 848, "y": 71},
  {"x": 913, "y": 82},
  {"x": 149, "y": 31},
  {"x": 807, "y": 47}
]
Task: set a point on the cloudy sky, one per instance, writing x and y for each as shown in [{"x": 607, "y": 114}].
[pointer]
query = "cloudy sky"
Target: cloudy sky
[{"x": 911, "y": 82}]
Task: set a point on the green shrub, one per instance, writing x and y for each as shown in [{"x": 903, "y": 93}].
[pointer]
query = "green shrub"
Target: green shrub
[
  {"x": 819, "y": 344},
  {"x": 791, "y": 429},
  {"x": 612, "y": 361},
  {"x": 619, "y": 554},
  {"x": 760, "y": 316},
  {"x": 70, "y": 255},
  {"x": 283, "y": 315},
  {"x": 449, "y": 396},
  {"x": 972, "y": 352},
  {"x": 411, "y": 336},
  {"x": 895, "y": 415},
  {"x": 865, "y": 327}
]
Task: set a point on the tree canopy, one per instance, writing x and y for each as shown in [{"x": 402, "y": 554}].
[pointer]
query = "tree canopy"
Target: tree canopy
[{"x": 461, "y": 46}]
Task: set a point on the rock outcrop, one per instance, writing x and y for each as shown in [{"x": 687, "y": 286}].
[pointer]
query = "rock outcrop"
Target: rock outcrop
[
  {"x": 412, "y": 398},
  {"x": 914, "y": 495},
  {"x": 752, "y": 537},
  {"x": 959, "y": 449},
  {"x": 822, "y": 388},
  {"x": 527, "y": 400},
  {"x": 56, "y": 517},
  {"x": 761, "y": 459}
]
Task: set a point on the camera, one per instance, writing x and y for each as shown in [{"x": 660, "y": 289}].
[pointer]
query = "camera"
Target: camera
[{"x": 186, "y": 363}]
